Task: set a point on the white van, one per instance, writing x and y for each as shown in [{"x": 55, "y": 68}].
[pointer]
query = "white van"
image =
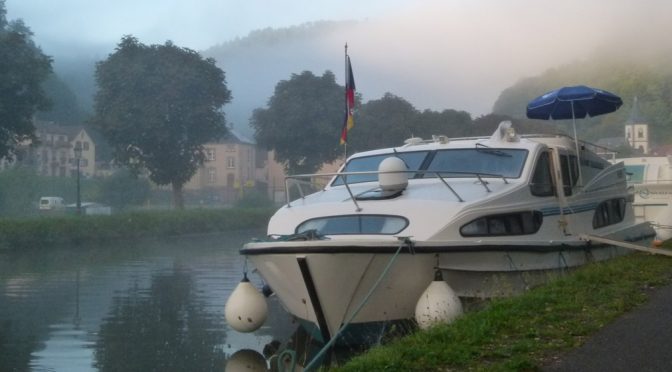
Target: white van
[{"x": 48, "y": 203}]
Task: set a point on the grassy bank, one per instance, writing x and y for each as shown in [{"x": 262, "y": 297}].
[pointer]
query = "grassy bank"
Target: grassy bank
[
  {"x": 525, "y": 332},
  {"x": 69, "y": 230}
]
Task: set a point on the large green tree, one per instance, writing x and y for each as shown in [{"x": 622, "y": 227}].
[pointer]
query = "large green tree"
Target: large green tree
[
  {"x": 450, "y": 123},
  {"x": 302, "y": 121},
  {"x": 383, "y": 122},
  {"x": 157, "y": 106},
  {"x": 23, "y": 68}
]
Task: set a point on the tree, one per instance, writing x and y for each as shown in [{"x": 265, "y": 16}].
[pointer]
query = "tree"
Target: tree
[
  {"x": 302, "y": 122},
  {"x": 157, "y": 106},
  {"x": 65, "y": 109},
  {"x": 123, "y": 189},
  {"x": 384, "y": 122},
  {"x": 450, "y": 123},
  {"x": 23, "y": 68}
]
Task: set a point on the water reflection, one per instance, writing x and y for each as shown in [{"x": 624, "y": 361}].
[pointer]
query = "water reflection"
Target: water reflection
[
  {"x": 165, "y": 327},
  {"x": 127, "y": 307}
]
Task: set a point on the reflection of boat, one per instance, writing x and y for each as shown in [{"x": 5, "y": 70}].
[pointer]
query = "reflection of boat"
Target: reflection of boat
[
  {"x": 472, "y": 207},
  {"x": 651, "y": 180}
]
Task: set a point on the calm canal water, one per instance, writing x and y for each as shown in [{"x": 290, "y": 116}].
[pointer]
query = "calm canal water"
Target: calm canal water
[{"x": 131, "y": 306}]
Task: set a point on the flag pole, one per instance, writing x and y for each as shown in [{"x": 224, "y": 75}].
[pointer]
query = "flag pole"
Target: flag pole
[{"x": 345, "y": 144}]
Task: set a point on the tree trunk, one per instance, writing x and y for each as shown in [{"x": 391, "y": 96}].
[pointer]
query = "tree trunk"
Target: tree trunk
[{"x": 178, "y": 196}]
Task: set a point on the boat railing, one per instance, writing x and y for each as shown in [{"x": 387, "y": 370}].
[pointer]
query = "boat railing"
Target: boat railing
[
  {"x": 593, "y": 147},
  {"x": 299, "y": 182}
]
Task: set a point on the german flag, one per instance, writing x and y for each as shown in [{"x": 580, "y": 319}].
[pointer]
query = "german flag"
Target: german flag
[{"x": 348, "y": 121}]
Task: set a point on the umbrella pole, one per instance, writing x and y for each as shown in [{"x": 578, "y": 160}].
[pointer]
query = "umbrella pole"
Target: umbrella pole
[{"x": 578, "y": 150}]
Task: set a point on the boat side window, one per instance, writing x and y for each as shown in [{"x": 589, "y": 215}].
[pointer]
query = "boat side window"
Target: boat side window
[
  {"x": 635, "y": 173},
  {"x": 521, "y": 223},
  {"x": 542, "y": 180},
  {"x": 354, "y": 224},
  {"x": 609, "y": 212},
  {"x": 413, "y": 161}
]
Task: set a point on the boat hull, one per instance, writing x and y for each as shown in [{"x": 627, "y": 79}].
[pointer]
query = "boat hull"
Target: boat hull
[{"x": 330, "y": 283}]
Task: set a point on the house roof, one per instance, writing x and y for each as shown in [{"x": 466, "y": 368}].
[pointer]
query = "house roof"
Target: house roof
[
  {"x": 235, "y": 136},
  {"x": 612, "y": 142}
]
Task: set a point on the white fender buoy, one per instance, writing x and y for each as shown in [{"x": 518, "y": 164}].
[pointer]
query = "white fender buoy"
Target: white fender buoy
[
  {"x": 437, "y": 304},
  {"x": 246, "y": 360},
  {"x": 246, "y": 308}
]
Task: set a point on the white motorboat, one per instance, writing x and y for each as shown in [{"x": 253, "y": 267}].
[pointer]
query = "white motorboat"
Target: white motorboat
[
  {"x": 363, "y": 249},
  {"x": 651, "y": 180}
]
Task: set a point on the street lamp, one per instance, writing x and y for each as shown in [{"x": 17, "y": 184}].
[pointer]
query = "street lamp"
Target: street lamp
[{"x": 78, "y": 157}]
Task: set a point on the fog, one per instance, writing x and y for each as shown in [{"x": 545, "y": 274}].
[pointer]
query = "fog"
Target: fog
[
  {"x": 463, "y": 54},
  {"x": 436, "y": 54}
]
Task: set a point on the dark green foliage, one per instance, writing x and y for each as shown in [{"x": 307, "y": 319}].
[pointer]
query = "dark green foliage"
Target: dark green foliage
[
  {"x": 383, "y": 123},
  {"x": 254, "y": 199},
  {"x": 23, "y": 68},
  {"x": 70, "y": 230},
  {"x": 65, "y": 109},
  {"x": 157, "y": 105},
  {"x": 123, "y": 189},
  {"x": 450, "y": 123},
  {"x": 302, "y": 122},
  {"x": 21, "y": 189}
]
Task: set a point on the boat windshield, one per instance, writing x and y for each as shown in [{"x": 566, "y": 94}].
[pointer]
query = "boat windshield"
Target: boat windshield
[
  {"x": 413, "y": 161},
  {"x": 480, "y": 160}
]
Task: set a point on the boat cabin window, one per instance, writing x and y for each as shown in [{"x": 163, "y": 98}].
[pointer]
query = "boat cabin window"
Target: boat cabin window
[
  {"x": 413, "y": 162},
  {"x": 635, "y": 173},
  {"x": 570, "y": 172},
  {"x": 354, "y": 224},
  {"x": 609, "y": 212},
  {"x": 542, "y": 179},
  {"x": 480, "y": 160},
  {"x": 521, "y": 223}
]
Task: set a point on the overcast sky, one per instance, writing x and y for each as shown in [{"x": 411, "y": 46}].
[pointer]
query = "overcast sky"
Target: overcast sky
[
  {"x": 197, "y": 24},
  {"x": 443, "y": 53}
]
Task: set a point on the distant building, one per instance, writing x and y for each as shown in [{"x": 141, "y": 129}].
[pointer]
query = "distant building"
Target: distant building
[
  {"x": 229, "y": 169},
  {"x": 637, "y": 130},
  {"x": 53, "y": 153}
]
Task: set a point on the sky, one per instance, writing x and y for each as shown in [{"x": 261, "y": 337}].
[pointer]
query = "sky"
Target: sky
[
  {"x": 197, "y": 24},
  {"x": 438, "y": 53}
]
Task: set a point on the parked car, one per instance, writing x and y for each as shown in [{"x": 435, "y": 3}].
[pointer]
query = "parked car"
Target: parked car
[{"x": 48, "y": 203}]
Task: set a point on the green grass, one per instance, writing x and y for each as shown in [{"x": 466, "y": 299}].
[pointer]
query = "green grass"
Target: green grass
[
  {"x": 522, "y": 333},
  {"x": 73, "y": 230}
]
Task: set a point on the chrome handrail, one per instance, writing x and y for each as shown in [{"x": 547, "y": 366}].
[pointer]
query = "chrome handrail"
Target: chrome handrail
[{"x": 298, "y": 179}]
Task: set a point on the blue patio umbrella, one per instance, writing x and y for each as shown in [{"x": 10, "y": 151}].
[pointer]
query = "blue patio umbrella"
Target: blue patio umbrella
[{"x": 571, "y": 103}]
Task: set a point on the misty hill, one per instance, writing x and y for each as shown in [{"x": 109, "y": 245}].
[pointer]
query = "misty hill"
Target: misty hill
[
  {"x": 256, "y": 63},
  {"x": 648, "y": 76}
]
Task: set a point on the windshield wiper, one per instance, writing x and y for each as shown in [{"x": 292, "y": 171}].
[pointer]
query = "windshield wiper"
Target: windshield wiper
[{"x": 488, "y": 150}]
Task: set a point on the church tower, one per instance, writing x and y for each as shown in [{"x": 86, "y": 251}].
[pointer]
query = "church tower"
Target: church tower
[{"x": 637, "y": 130}]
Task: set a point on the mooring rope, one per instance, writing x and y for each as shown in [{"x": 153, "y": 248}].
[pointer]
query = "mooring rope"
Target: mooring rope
[{"x": 404, "y": 242}]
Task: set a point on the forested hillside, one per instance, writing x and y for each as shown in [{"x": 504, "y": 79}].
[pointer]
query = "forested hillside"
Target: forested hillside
[{"x": 647, "y": 77}]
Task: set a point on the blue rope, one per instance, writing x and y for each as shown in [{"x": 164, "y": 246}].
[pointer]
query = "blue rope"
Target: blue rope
[{"x": 326, "y": 347}]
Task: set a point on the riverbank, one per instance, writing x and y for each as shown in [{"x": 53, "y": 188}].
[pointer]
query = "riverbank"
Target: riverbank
[
  {"x": 526, "y": 332},
  {"x": 78, "y": 230}
]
